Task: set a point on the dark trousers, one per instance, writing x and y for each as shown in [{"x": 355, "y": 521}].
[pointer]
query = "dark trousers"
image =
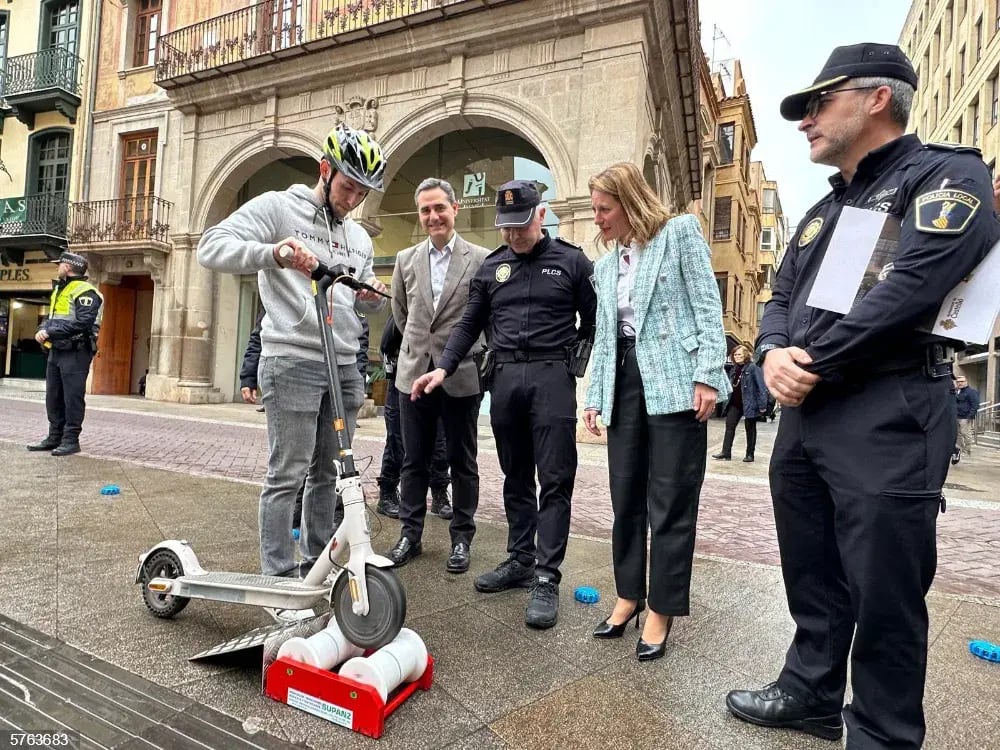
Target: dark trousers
[
  {"x": 656, "y": 465},
  {"x": 733, "y": 416},
  {"x": 856, "y": 478},
  {"x": 65, "y": 388},
  {"x": 392, "y": 454},
  {"x": 533, "y": 413},
  {"x": 419, "y": 421}
]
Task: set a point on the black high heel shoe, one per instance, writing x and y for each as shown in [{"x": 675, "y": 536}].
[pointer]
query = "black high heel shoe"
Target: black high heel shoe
[
  {"x": 606, "y": 630},
  {"x": 649, "y": 651}
]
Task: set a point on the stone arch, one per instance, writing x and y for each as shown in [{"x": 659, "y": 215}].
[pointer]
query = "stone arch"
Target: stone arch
[
  {"x": 439, "y": 117},
  {"x": 238, "y": 165}
]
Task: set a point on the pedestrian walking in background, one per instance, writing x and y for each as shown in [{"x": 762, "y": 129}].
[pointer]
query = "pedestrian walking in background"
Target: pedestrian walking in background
[{"x": 748, "y": 402}]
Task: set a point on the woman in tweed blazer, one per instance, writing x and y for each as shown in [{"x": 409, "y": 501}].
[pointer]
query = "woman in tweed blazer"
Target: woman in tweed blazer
[{"x": 657, "y": 374}]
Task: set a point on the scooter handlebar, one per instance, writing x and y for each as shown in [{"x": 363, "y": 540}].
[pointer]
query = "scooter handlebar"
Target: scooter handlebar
[{"x": 339, "y": 273}]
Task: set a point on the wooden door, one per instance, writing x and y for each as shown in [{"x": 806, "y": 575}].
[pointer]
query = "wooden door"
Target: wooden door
[{"x": 113, "y": 364}]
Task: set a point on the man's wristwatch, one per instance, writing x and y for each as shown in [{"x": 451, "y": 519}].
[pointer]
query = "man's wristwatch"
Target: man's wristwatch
[{"x": 762, "y": 350}]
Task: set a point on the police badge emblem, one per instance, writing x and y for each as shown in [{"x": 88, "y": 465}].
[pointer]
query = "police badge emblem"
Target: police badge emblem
[
  {"x": 508, "y": 197},
  {"x": 810, "y": 232},
  {"x": 503, "y": 272},
  {"x": 945, "y": 211}
]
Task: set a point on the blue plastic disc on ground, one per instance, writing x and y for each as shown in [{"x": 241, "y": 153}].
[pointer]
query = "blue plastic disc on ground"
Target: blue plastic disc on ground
[
  {"x": 586, "y": 594},
  {"x": 295, "y": 533},
  {"x": 985, "y": 650},
  {"x": 110, "y": 489}
]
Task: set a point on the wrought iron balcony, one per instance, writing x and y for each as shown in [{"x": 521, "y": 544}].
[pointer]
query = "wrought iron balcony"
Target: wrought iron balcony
[
  {"x": 140, "y": 220},
  {"x": 44, "y": 81},
  {"x": 285, "y": 28},
  {"x": 33, "y": 221}
]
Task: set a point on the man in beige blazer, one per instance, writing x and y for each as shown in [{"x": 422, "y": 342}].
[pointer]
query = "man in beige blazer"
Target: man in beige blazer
[{"x": 430, "y": 288}]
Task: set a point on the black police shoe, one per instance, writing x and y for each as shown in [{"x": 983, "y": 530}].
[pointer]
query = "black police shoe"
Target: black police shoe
[
  {"x": 773, "y": 707},
  {"x": 458, "y": 562},
  {"x": 388, "y": 501},
  {"x": 441, "y": 504},
  {"x": 404, "y": 551},
  {"x": 543, "y": 608},
  {"x": 45, "y": 444},
  {"x": 66, "y": 449},
  {"x": 509, "y": 574}
]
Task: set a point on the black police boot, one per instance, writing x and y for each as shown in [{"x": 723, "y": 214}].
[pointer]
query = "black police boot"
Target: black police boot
[
  {"x": 773, "y": 707},
  {"x": 441, "y": 504},
  {"x": 543, "y": 608},
  {"x": 46, "y": 444},
  {"x": 509, "y": 574},
  {"x": 66, "y": 449},
  {"x": 388, "y": 499}
]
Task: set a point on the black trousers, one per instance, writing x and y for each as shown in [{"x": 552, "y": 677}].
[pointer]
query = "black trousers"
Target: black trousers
[
  {"x": 856, "y": 478},
  {"x": 533, "y": 414},
  {"x": 419, "y": 421},
  {"x": 733, "y": 416},
  {"x": 392, "y": 454},
  {"x": 656, "y": 464},
  {"x": 65, "y": 389}
]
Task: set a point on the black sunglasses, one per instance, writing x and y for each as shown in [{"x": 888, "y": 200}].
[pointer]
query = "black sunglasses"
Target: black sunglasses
[{"x": 816, "y": 101}]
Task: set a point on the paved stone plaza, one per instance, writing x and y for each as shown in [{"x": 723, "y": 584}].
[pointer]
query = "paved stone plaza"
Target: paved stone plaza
[{"x": 67, "y": 561}]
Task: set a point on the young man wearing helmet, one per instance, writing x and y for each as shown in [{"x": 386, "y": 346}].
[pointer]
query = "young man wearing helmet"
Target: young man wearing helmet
[{"x": 313, "y": 223}]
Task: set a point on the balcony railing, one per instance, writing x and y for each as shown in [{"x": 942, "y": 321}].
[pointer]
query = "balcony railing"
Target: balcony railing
[
  {"x": 38, "y": 214},
  {"x": 144, "y": 217},
  {"x": 55, "y": 68},
  {"x": 269, "y": 27},
  {"x": 721, "y": 234}
]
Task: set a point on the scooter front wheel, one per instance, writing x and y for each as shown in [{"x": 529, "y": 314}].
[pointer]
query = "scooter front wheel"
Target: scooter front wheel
[
  {"x": 162, "y": 564},
  {"x": 386, "y": 608}
]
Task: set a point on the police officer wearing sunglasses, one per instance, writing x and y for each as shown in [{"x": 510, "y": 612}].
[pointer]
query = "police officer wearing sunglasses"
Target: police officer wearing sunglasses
[{"x": 867, "y": 425}]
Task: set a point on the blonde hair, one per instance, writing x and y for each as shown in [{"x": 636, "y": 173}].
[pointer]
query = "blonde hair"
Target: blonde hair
[{"x": 645, "y": 213}]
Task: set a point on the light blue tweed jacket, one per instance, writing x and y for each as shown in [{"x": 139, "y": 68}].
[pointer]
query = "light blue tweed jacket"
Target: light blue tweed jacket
[{"x": 680, "y": 340}]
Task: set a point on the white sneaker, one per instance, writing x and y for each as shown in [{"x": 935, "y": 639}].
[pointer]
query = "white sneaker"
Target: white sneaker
[{"x": 288, "y": 616}]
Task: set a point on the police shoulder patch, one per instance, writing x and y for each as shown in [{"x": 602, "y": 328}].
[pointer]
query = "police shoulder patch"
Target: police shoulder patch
[
  {"x": 85, "y": 300},
  {"x": 945, "y": 211}
]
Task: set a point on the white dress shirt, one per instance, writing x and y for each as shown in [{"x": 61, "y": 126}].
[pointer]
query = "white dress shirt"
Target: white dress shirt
[
  {"x": 628, "y": 259},
  {"x": 439, "y": 260}
]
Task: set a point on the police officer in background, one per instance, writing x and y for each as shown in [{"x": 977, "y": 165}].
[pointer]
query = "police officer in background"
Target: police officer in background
[
  {"x": 867, "y": 425},
  {"x": 527, "y": 293},
  {"x": 70, "y": 335}
]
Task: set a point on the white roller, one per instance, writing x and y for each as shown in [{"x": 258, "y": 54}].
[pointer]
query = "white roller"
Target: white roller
[
  {"x": 325, "y": 650},
  {"x": 402, "y": 660}
]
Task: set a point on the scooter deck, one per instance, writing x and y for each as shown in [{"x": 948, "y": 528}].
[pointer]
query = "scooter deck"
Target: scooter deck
[{"x": 249, "y": 588}]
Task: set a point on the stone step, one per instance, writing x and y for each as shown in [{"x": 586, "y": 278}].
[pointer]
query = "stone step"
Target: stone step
[
  {"x": 988, "y": 439},
  {"x": 22, "y": 384}
]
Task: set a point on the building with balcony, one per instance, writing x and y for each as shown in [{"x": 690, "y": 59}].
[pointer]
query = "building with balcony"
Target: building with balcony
[
  {"x": 736, "y": 219},
  {"x": 234, "y": 99},
  {"x": 955, "y": 47},
  {"x": 708, "y": 123},
  {"x": 774, "y": 233},
  {"x": 43, "y": 47}
]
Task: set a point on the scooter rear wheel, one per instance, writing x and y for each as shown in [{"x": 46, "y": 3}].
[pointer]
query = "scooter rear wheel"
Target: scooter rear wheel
[
  {"x": 386, "y": 608},
  {"x": 162, "y": 564}
]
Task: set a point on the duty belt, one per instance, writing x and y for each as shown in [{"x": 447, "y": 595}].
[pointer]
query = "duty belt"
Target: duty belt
[
  {"x": 530, "y": 355},
  {"x": 934, "y": 361}
]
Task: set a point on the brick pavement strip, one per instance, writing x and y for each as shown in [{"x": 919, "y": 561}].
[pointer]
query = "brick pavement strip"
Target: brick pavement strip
[{"x": 735, "y": 519}]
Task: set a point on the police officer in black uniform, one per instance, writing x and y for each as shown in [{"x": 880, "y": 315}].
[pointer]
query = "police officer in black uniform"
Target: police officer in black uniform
[
  {"x": 70, "y": 335},
  {"x": 868, "y": 426},
  {"x": 528, "y": 293}
]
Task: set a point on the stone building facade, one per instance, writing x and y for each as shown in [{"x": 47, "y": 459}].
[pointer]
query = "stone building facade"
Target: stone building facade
[{"x": 238, "y": 99}]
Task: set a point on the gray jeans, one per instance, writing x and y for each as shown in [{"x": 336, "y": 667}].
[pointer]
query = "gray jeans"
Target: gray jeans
[{"x": 302, "y": 444}]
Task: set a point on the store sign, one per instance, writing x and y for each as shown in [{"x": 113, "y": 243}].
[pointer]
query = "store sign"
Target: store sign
[
  {"x": 13, "y": 210},
  {"x": 15, "y": 274}
]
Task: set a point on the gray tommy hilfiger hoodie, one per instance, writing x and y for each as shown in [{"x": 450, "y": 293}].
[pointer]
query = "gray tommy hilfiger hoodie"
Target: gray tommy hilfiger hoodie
[{"x": 244, "y": 243}]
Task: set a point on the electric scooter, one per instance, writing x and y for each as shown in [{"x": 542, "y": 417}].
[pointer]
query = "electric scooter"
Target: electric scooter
[{"x": 365, "y": 595}]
